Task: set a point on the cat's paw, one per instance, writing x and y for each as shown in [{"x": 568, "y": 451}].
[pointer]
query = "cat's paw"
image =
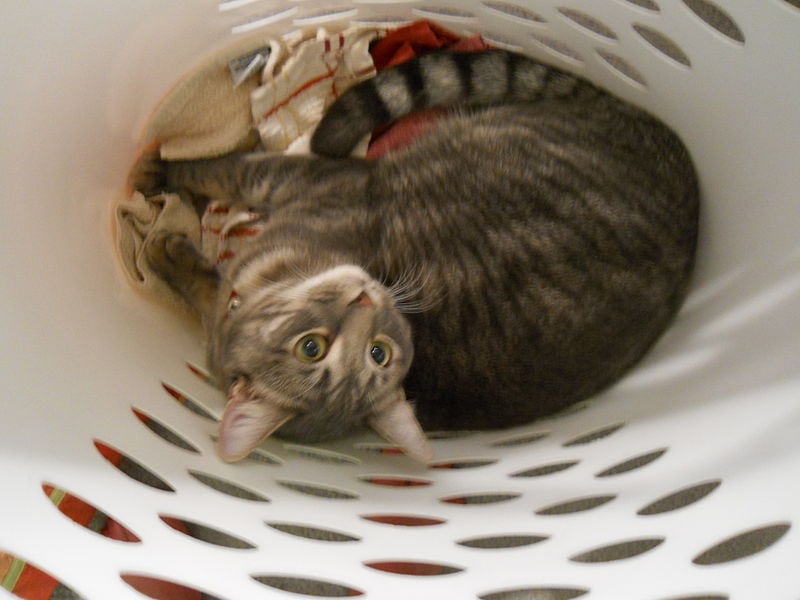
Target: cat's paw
[
  {"x": 149, "y": 174},
  {"x": 171, "y": 255}
]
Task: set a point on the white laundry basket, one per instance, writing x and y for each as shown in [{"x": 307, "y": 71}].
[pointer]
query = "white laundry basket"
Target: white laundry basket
[{"x": 683, "y": 481}]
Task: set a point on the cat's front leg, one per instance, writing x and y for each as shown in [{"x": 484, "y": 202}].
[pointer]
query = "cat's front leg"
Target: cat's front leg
[
  {"x": 209, "y": 178},
  {"x": 256, "y": 179},
  {"x": 178, "y": 262}
]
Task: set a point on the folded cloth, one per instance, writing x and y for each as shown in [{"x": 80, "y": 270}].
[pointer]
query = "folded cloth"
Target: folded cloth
[
  {"x": 302, "y": 79},
  {"x": 206, "y": 114}
]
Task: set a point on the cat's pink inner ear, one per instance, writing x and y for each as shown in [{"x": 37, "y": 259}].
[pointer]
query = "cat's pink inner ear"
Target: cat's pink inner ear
[
  {"x": 398, "y": 425},
  {"x": 247, "y": 421}
]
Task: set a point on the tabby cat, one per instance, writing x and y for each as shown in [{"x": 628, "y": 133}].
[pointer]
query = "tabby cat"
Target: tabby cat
[{"x": 525, "y": 253}]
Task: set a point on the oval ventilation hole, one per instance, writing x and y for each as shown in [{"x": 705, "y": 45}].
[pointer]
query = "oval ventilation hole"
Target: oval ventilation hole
[
  {"x": 558, "y": 48},
  {"x": 548, "y": 469},
  {"x": 622, "y": 67},
  {"x": 130, "y": 467},
  {"x": 161, "y": 589},
  {"x": 699, "y": 597},
  {"x": 226, "y": 5},
  {"x": 204, "y": 533},
  {"x": 263, "y": 20},
  {"x": 633, "y": 463},
  {"x": 395, "y": 481},
  {"x": 588, "y": 23},
  {"x": 444, "y": 13},
  {"x": 313, "y": 533},
  {"x": 164, "y": 432},
  {"x": 307, "y": 586},
  {"x": 404, "y": 520},
  {"x": 227, "y": 487},
  {"x": 536, "y": 592},
  {"x": 187, "y": 402},
  {"x": 326, "y": 16},
  {"x": 379, "y": 448},
  {"x": 88, "y": 516},
  {"x": 571, "y": 409},
  {"x": 500, "y": 41},
  {"x": 200, "y": 373},
  {"x": 680, "y": 499},
  {"x": 17, "y": 572},
  {"x": 663, "y": 44},
  {"x": 257, "y": 455},
  {"x": 449, "y": 434},
  {"x": 320, "y": 455},
  {"x": 593, "y": 436},
  {"x": 575, "y": 506},
  {"x": 648, "y": 4},
  {"x": 418, "y": 569},
  {"x": 462, "y": 463},
  {"x": 512, "y": 10},
  {"x": 618, "y": 551},
  {"x": 716, "y": 18},
  {"x": 320, "y": 491},
  {"x": 502, "y": 541},
  {"x": 261, "y": 456},
  {"x": 520, "y": 439},
  {"x": 493, "y": 498},
  {"x": 382, "y": 21},
  {"x": 743, "y": 545}
]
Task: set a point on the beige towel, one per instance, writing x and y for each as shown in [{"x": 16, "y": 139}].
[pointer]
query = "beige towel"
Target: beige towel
[{"x": 204, "y": 115}]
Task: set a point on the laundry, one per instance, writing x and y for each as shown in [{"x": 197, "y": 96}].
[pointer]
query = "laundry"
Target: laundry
[
  {"x": 208, "y": 115},
  {"x": 276, "y": 110},
  {"x": 303, "y": 78}
]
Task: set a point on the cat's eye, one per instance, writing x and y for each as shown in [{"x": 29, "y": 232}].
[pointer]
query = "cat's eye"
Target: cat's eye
[
  {"x": 380, "y": 352},
  {"x": 311, "y": 347}
]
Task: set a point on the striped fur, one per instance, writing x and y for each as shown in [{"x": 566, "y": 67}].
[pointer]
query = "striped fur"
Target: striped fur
[
  {"x": 434, "y": 80},
  {"x": 538, "y": 243}
]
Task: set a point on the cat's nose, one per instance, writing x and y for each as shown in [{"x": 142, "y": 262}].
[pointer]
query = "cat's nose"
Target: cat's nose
[{"x": 362, "y": 299}]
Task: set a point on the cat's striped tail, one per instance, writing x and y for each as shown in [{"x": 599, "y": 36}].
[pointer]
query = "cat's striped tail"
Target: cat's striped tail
[{"x": 435, "y": 80}]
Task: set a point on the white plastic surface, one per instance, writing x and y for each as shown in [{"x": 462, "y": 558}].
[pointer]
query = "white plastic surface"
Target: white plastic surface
[{"x": 720, "y": 393}]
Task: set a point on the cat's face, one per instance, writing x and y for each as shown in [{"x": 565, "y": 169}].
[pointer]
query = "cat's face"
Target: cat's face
[{"x": 315, "y": 358}]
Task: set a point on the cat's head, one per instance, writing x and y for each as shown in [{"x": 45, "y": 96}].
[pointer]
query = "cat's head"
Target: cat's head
[{"x": 314, "y": 358}]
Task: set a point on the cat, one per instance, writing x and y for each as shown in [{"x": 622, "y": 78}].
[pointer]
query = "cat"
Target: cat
[{"x": 520, "y": 256}]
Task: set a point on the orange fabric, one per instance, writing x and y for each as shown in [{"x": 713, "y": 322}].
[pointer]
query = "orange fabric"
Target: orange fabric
[
  {"x": 34, "y": 584},
  {"x": 402, "y": 44},
  {"x": 158, "y": 589},
  {"x": 75, "y": 508},
  {"x": 398, "y": 47}
]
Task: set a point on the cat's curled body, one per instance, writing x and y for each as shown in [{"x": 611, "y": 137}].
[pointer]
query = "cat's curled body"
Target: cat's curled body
[{"x": 533, "y": 245}]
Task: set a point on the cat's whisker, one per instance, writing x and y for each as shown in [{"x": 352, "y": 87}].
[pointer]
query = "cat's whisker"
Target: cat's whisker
[{"x": 411, "y": 293}]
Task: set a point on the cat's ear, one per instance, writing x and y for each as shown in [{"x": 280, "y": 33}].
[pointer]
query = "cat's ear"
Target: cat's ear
[
  {"x": 248, "y": 420},
  {"x": 397, "y": 424}
]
